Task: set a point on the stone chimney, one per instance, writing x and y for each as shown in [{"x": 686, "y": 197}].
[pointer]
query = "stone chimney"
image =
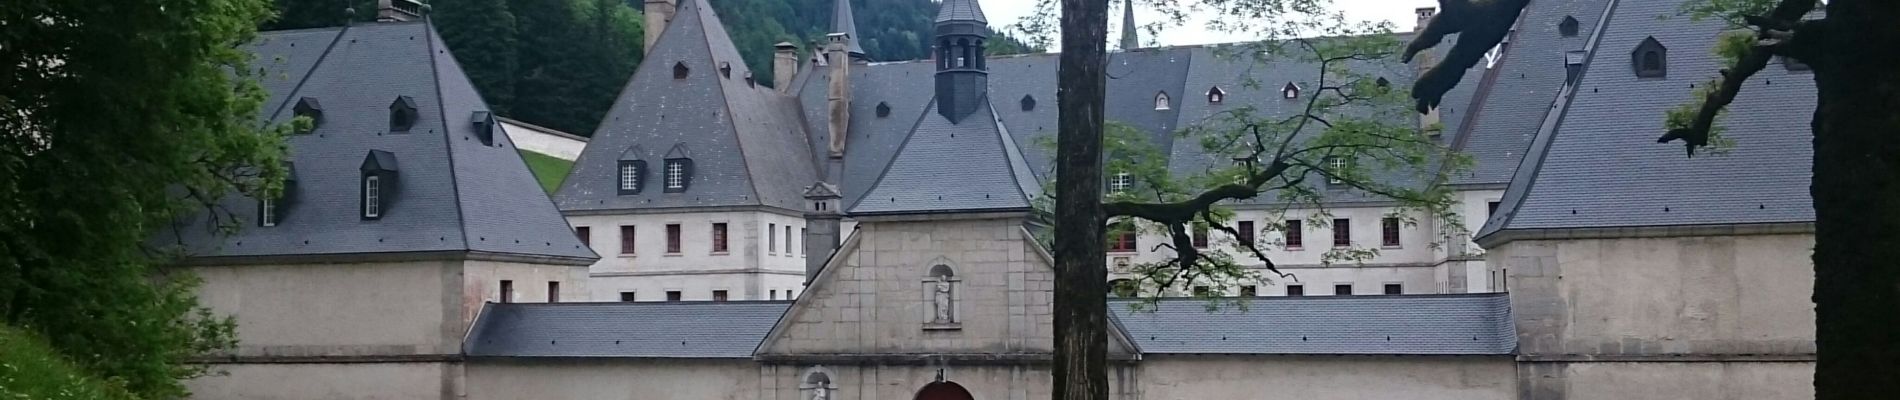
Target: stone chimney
[
  {"x": 784, "y": 66},
  {"x": 1424, "y": 17},
  {"x": 659, "y": 13},
  {"x": 821, "y": 227},
  {"x": 398, "y": 10},
  {"x": 838, "y": 51}
]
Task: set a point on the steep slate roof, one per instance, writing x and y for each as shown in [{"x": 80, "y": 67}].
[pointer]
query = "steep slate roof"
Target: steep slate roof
[
  {"x": 451, "y": 194},
  {"x": 1462, "y": 324},
  {"x": 843, "y": 22},
  {"x": 1524, "y": 87},
  {"x": 960, "y": 10},
  {"x": 746, "y": 142},
  {"x": 944, "y": 166},
  {"x": 624, "y": 329},
  {"x": 1600, "y": 165}
]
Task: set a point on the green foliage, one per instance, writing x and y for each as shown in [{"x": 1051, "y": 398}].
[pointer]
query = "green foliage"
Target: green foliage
[
  {"x": 548, "y": 170},
  {"x": 482, "y": 34},
  {"x": 29, "y": 369},
  {"x": 116, "y": 118}
]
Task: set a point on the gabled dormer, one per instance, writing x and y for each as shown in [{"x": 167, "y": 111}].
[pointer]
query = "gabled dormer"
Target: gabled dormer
[
  {"x": 1650, "y": 59},
  {"x": 1290, "y": 91},
  {"x": 308, "y": 107},
  {"x": 630, "y": 175},
  {"x": 485, "y": 126},
  {"x": 1216, "y": 96},
  {"x": 272, "y": 209},
  {"x": 1567, "y": 27},
  {"x": 378, "y": 185},
  {"x": 677, "y": 172},
  {"x": 402, "y": 114}
]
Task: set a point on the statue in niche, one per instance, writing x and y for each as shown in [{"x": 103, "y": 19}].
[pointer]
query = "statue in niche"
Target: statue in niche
[
  {"x": 821, "y": 393},
  {"x": 943, "y": 300}
]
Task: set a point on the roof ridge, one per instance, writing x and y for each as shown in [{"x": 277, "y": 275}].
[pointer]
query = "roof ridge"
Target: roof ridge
[
  {"x": 705, "y": 12},
  {"x": 308, "y": 72},
  {"x": 1017, "y": 164},
  {"x": 899, "y": 152},
  {"x": 448, "y": 145},
  {"x": 1525, "y": 176}
]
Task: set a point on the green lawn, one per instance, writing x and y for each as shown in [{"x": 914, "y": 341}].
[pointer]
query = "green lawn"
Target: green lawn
[
  {"x": 547, "y": 169},
  {"x": 31, "y": 370}
]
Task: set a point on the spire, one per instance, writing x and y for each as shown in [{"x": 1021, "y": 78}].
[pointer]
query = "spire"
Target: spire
[
  {"x": 961, "y": 10},
  {"x": 1130, "y": 38},
  {"x": 843, "y": 22}
]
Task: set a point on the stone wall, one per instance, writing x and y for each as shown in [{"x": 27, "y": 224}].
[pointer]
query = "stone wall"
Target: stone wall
[
  {"x": 1326, "y": 377},
  {"x": 335, "y": 381},
  {"x": 613, "y": 379},
  {"x": 358, "y": 309}
]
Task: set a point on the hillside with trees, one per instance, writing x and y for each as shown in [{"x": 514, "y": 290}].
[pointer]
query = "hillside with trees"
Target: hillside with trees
[{"x": 561, "y": 63}]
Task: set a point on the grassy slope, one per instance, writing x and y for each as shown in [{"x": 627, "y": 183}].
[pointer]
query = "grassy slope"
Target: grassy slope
[
  {"x": 31, "y": 370},
  {"x": 547, "y": 169}
]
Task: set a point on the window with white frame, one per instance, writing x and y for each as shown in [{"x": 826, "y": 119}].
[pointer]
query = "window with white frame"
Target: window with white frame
[
  {"x": 629, "y": 177},
  {"x": 267, "y": 212},
  {"x": 1121, "y": 182},
  {"x": 679, "y": 173},
  {"x": 372, "y": 196},
  {"x": 1338, "y": 166}
]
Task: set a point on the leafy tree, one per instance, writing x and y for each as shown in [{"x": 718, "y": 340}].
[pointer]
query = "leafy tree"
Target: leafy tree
[
  {"x": 300, "y": 14},
  {"x": 115, "y": 118},
  {"x": 482, "y": 35},
  {"x": 1351, "y": 134},
  {"x": 1852, "y": 49}
]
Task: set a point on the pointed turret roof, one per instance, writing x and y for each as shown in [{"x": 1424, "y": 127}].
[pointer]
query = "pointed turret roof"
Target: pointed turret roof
[
  {"x": 693, "y": 93},
  {"x": 460, "y": 192},
  {"x": 1131, "y": 39},
  {"x": 843, "y": 22},
  {"x": 961, "y": 10}
]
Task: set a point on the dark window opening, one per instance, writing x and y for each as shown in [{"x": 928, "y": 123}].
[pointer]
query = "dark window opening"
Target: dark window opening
[
  {"x": 1124, "y": 241},
  {"x": 507, "y": 291},
  {"x": 402, "y": 114},
  {"x": 585, "y": 234},
  {"x": 1650, "y": 60},
  {"x": 1201, "y": 291},
  {"x": 1394, "y": 288},
  {"x": 672, "y": 238},
  {"x": 1491, "y": 209},
  {"x": 788, "y": 240},
  {"x": 1029, "y": 102},
  {"x": 719, "y": 237},
  {"x": 1342, "y": 232},
  {"x": 627, "y": 296},
  {"x": 1389, "y": 232},
  {"x": 1342, "y": 289},
  {"x": 1200, "y": 235},
  {"x": 554, "y": 292},
  {"x": 1295, "y": 290},
  {"x": 1567, "y": 28},
  {"x": 672, "y": 295},
  {"x": 1295, "y": 234},
  {"x": 719, "y": 295},
  {"x": 883, "y": 110},
  {"x": 1245, "y": 228},
  {"x": 771, "y": 238},
  {"x": 626, "y": 239},
  {"x": 680, "y": 70},
  {"x": 1249, "y": 291}
]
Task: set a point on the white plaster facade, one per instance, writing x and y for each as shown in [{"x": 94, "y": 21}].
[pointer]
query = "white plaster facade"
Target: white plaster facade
[
  {"x": 530, "y": 137},
  {"x": 761, "y": 261}
]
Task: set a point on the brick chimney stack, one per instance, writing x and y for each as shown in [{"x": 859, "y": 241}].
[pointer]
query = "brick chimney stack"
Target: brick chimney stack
[
  {"x": 1424, "y": 17},
  {"x": 398, "y": 10},
  {"x": 784, "y": 65}
]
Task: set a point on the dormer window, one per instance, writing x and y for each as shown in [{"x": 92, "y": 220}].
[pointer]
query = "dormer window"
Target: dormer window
[
  {"x": 632, "y": 176},
  {"x": 378, "y": 184},
  {"x": 749, "y": 81},
  {"x": 484, "y": 123},
  {"x": 1337, "y": 166},
  {"x": 1568, "y": 27},
  {"x": 1651, "y": 59},
  {"x": 402, "y": 114},
  {"x": 1215, "y": 95},
  {"x": 679, "y": 173},
  {"x": 1029, "y": 103},
  {"x": 1162, "y": 103},
  {"x": 308, "y": 107},
  {"x": 725, "y": 70},
  {"x": 1382, "y": 82},
  {"x": 1121, "y": 182},
  {"x": 883, "y": 109},
  {"x": 680, "y": 70},
  {"x": 1573, "y": 65},
  {"x": 266, "y": 212},
  {"x": 1290, "y": 91}
]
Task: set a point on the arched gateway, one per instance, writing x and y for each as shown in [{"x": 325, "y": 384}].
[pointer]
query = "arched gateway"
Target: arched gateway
[{"x": 943, "y": 391}]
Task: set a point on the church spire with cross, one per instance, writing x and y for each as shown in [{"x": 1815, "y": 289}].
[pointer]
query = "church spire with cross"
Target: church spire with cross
[{"x": 1131, "y": 38}]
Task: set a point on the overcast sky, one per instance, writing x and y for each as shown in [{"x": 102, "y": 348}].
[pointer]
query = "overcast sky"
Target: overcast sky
[{"x": 1002, "y": 13}]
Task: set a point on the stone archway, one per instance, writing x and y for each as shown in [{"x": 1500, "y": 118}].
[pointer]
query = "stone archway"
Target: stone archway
[{"x": 943, "y": 391}]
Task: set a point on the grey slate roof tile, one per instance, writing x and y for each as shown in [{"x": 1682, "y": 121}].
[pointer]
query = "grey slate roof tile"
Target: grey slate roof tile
[
  {"x": 1463, "y": 324},
  {"x": 627, "y": 329},
  {"x": 1602, "y": 167},
  {"x": 748, "y": 147},
  {"x": 451, "y": 194},
  {"x": 961, "y": 10},
  {"x": 944, "y": 166},
  {"x": 1525, "y": 86}
]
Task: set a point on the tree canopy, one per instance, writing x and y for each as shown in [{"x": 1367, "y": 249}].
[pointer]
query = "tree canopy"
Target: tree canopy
[{"x": 115, "y": 118}]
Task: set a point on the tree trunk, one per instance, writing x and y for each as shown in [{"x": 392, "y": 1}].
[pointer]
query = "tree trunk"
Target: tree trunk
[
  {"x": 1081, "y": 292},
  {"x": 1856, "y": 193}
]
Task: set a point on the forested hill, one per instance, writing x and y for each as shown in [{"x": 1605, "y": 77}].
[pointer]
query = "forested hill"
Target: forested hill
[{"x": 560, "y": 63}]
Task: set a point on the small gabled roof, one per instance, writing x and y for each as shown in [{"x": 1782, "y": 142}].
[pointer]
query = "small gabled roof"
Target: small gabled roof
[
  {"x": 949, "y": 167},
  {"x": 461, "y": 196},
  {"x": 747, "y": 142},
  {"x": 695, "y": 329},
  {"x": 1598, "y": 166},
  {"x": 1460, "y": 324}
]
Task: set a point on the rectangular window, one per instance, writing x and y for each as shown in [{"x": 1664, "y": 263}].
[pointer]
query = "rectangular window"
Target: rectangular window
[
  {"x": 1493, "y": 207},
  {"x": 1342, "y": 289},
  {"x": 672, "y": 295},
  {"x": 1394, "y": 288},
  {"x": 585, "y": 234},
  {"x": 1389, "y": 232},
  {"x": 507, "y": 291},
  {"x": 719, "y": 237},
  {"x": 1200, "y": 236},
  {"x": 627, "y": 296},
  {"x": 675, "y": 174},
  {"x": 1124, "y": 242},
  {"x": 788, "y": 240},
  {"x": 672, "y": 238},
  {"x": 1121, "y": 182},
  {"x": 771, "y": 238},
  {"x": 267, "y": 212},
  {"x": 1295, "y": 290},
  {"x": 1338, "y": 166},
  {"x": 802, "y": 232},
  {"x": 628, "y": 173},
  {"x": 372, "y": 197},
  {"x": 1342, "y": 232},
  {"x": 719, "y": 295},
  {"x": 626, "y": 239},
  {"x": 1295, "y": 234},
  {"x": 554, "y": 292},
  {"x": 1246, "y": 232},
  {"x": 774, "y": 294},
  {"x": 1248, "y": 291},
  {"x": 1200, "y": 291}
]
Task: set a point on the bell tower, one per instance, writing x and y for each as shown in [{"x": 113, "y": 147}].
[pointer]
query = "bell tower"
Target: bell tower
[{"x": 962, "y": 71}]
